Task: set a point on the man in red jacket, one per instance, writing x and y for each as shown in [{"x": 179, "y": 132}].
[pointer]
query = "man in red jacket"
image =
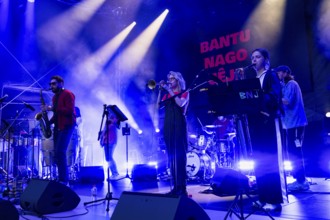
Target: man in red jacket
[{"x": 64, "y": 120}]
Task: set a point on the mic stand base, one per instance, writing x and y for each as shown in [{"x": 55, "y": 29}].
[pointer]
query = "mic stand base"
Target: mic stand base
[
  {"x": 126, "y": 132},
  {"x": 236, "y": 207},
  {"x": 107, "y": 198},
  {"x": 127, "y": 176}
]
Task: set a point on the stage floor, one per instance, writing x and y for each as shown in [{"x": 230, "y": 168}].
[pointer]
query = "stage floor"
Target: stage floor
[{"x": 312, "y": 204}]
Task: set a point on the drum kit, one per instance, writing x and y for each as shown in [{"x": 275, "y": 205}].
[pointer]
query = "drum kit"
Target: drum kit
[
  {"x": 206, "y": 153},
  {"x": 30, "y": 155}
]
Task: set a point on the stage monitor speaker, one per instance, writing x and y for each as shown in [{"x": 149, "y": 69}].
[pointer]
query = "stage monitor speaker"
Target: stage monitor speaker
[
  {"x": 45, "y": 197},
  {"x": 91, "y": 174},
  {"x": 8, "y": 211},
  {"x": 144, "y": 172},
  {"x": 228, "y": 181},
  {"x": 149, "y": 206}
]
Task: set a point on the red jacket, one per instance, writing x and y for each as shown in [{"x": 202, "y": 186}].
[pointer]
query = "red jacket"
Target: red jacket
[{"x": 64, "y": 109}]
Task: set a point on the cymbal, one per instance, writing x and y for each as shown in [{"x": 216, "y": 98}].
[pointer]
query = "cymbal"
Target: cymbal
[
  {"x": 192, "y": 136},
  {"x": 213, "y": 126}
]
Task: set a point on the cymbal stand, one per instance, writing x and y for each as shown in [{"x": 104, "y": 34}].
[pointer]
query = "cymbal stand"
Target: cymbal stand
[{"x": 108, "y": 197}]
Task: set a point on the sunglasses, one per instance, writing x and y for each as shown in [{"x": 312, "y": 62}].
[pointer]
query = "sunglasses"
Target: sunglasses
[{"x": 52, "y": 83}]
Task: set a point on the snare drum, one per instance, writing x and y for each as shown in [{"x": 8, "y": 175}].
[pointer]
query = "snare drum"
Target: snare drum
[{"x": 199, "y": 165}]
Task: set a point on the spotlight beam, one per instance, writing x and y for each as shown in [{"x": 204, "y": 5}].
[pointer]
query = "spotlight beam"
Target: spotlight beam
[
  {"x": 93, "y": 65},
  {"x": 136, "y": 51}
]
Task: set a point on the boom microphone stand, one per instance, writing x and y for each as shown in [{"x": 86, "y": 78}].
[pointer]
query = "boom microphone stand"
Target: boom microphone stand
[{"x": 108, "y": 197}]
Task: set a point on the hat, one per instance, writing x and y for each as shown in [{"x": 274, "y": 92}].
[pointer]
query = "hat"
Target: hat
[{"x": 283, "y": 68}]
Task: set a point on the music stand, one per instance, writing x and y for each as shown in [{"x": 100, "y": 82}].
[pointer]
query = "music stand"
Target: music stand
[
  {"x": 125, "y": 131},
  {"x": 121, "y": 117},
  {"x": 238, "y": 97}
]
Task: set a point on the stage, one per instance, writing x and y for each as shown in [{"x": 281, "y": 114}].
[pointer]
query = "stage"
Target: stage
[{"x": 311, "y": 204}]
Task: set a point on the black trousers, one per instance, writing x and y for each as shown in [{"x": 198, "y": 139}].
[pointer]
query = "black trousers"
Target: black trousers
[
  {"x": 294, "y": 150},
  {"x": 267, "y": 170}
]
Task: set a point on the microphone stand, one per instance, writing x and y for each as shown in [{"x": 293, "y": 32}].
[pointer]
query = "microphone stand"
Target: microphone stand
[
  {"x": 126, "y": 132},
  {"x": 108, "y": 196}
]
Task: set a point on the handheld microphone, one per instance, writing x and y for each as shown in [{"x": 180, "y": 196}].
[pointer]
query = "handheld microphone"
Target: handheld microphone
[
  {"x": 3, "y": 98},
  {"x": 27, "y": 105},
  {"x": 245, "y": 67},
  {"x": 249, "y": 66}
]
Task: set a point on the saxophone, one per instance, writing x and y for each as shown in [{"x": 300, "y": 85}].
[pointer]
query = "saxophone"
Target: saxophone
[{"x": 42, "y": 117}]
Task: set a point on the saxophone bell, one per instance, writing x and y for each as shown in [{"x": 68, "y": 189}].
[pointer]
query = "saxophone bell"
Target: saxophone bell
[{"x": 38, "y": 116}]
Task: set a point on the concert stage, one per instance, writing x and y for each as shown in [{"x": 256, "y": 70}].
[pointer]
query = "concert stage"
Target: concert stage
[{"x": 312, "y": 204}]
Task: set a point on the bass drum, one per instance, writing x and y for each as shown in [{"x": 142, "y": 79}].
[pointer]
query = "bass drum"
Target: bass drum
[{"x": 199, "y": 166}]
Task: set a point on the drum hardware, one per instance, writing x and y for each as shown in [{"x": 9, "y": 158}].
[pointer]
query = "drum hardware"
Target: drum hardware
[
  {"x": 201, "y": 140},
  {"x": 213, "y": 126},
  {"x": 7, "y": 133},
  {"x": 222, "y": 151}
]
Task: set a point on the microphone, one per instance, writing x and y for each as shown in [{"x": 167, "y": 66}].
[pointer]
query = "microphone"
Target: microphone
[
  {"x": 249, "y": 66},
  {"x": 199, "y": 73},
  {"x": 245, "y": 67},
  {"x": 27, "y": 105},
  {"x": 3, "y": 98}
]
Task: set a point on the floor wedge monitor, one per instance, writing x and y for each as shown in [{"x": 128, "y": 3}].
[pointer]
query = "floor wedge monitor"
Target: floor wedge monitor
[
  {"x": 150, "y": 206},
  {"x": 46, "y": 197}
]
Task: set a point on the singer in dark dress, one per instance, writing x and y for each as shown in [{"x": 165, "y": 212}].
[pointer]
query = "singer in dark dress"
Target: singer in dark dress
[
  {"x": 175, "y": 129},
  {"x": 265, "y": 135}
]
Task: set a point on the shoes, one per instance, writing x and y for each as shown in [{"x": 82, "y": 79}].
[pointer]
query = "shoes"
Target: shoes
[
  {"x": 298, "y": 186},
  {"x": 115, "y": 177},
  {"x": 267, "y": 206},
  {"x": 258, "y": 204},
  {"x": 273, "y": 207},
  {"x": 66, "y": 183},
  {"x": 177, "y": 193}
]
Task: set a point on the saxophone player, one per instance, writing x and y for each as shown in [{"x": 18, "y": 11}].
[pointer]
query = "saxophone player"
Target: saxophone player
[{"x": 64, "y": 120}]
